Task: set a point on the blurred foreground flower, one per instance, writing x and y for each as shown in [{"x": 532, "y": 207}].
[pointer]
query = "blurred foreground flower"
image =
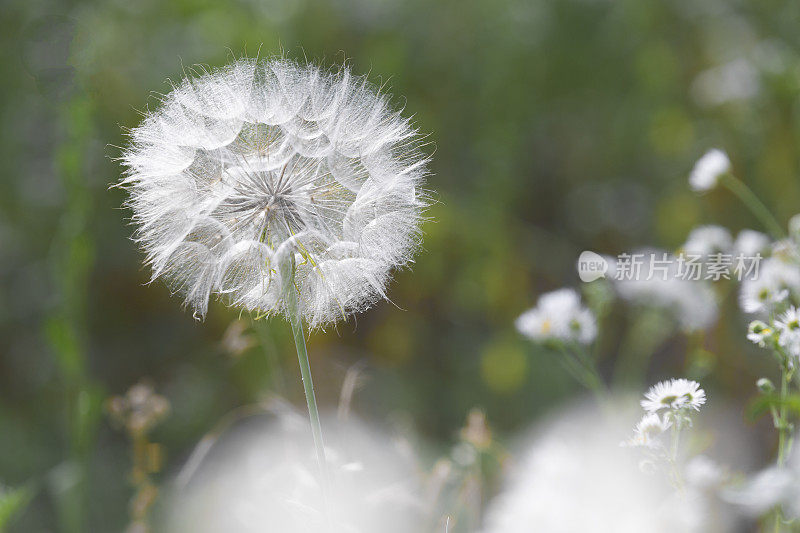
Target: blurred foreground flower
[
  {"x": 265, "y": 478},
  {"x": 575, "y": 477},
  {"x": 776, "y": 486}
]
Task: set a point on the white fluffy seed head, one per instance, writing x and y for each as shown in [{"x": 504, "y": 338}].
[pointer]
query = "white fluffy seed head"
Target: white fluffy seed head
[{"x": 244, "y": 169}]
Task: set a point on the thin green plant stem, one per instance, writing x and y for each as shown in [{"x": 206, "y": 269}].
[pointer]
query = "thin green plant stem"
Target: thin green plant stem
[
  {"x": 677, "y": 478},
  {"x": 584, "y": 371},
  {"x": 784, "y": 426},
  {"x": 754, "y": 204},
  {"x": 290, "y": 293},
  {"x": 589, "y": 363}
]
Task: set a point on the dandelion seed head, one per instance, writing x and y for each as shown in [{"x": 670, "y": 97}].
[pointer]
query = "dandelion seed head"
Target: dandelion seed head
[
  {"x": 708, "y": 169},
  {"x": 244, "y": 169}
]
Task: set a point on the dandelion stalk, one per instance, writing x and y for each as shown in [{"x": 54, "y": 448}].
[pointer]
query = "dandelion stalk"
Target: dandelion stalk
[
  {"x": 305, "y": 372},
  {"x": 752, "y": 202}
]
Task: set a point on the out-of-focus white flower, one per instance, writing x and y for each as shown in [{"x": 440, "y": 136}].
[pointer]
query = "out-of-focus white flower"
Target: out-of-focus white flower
[
  {"x": 703, "y": 473},
  {"x": 674, "y": 394},
  {"x": 575, "y": 477},
  {"x": 708, "y": 169},
  {"x": 759, "y": 332},
  {"x": 770, "y": 487},
  {"x": 248, "y": 169},
  {"x": 759, "y": 294},
  {"x": 648, "y": 431},
  {"x": 736, "y": 80},
  {"x": 691, "y": 302},
  {"x": 708, "y": 240},
  {"x": 558, "y": 315},
  {"x": 750, "y": 242},
  {"x": 794, "y": 227},
  {"x": 268, "y": 480},
  {"x": 788, "y": 325}
]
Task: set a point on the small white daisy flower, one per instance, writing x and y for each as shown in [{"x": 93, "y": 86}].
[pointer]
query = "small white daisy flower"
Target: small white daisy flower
[
  {"x": 692, "y": 302},
  {"x": 674, "y": 394},
  {"x": 558, "y": 315},
  {"x": 758, "y": 332},
  {"x": 775, "y": 278},
  {"x": 788, "y": 325},
  {"x": 583, "y": 326},
  {"x": 750, "y": 242},
  {"x": 785, "y": 250},
  {"x": 708, "y": 169},
  {"x": 648, "y": 431},
  {"x": 708, "y": 240}
]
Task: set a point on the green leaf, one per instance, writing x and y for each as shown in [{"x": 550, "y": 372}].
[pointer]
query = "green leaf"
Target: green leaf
[{"x": 763, "y": 403}]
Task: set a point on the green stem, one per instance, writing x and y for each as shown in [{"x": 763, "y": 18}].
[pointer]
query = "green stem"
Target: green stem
[
  {"x": 578, "y": 363},
  {"x": 756, "y": 206},
  {"x": 677, "y": 478},
  {"x": 597, "y": 384},
  {"x": 290, "y": 293},
  {"x": 784, "y": 426}
]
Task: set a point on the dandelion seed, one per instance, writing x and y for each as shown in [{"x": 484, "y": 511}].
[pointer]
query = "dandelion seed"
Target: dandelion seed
[
  {"x": 708, "y": 169},
  {"x": 674, "y": 395},
  {"x": 248, "y": 168},
  {"x": 559, "y": 315}
]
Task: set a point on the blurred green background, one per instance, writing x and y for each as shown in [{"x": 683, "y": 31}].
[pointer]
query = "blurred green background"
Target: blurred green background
[{"x": 557, "y": 126}]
